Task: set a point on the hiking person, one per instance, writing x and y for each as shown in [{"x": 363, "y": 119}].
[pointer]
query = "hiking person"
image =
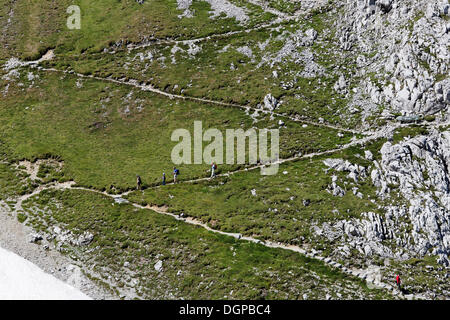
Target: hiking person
[
  {"x": 164, "y": 179},
  {"x": 213, "y": 170},
  {"x": 176, "y": 172},
  {"x": 138, "y": 182},
  {"x": 397, "y": 279}
]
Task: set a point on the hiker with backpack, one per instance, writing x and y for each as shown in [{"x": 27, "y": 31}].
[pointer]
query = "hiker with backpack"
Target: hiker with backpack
[
  {"x": 138, "y": 182},
  {"x": 176, "y": 172},
  {"x": 164, "y": 179},
  {"x": 213, "y": 170},
  {"x": 398, "y": 281}
]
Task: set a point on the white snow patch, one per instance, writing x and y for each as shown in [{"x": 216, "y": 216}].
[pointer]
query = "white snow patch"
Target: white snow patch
[{"x": 22, "y": 280}]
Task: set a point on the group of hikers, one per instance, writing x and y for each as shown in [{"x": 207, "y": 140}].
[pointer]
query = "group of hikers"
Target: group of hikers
[{"x": 176, "y": 173}]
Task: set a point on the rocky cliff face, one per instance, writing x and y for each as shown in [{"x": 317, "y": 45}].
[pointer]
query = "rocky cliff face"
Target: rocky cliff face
[
  {"x": 403, "y": 54},
  {"x": 413, "y": 188},
  {"x": 418, "y": 169}
]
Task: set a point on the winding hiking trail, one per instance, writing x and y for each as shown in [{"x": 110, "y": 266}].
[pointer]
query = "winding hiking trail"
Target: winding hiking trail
[
  {"x": 368, "y": 136},
  {"x": 281, "y": 17},
  {"x": 49, "y": 55},
  {"x": 365, "y": 275},
  {"x": 356, "y": 142},
  {"x": 150, "y": 88}
]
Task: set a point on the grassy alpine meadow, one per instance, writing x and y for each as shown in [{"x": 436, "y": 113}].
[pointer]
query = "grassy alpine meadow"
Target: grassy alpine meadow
[
  {"x": 13, "y": 182},
  {"x": 196, "y": 264},
  {"x": 285, "y": 6},
  {"x": 39, "y": 25},
  {"x": 84, "y": 112},
  {"x": 283, "y": 207},
  {"x": 240, "y": 68},
  {"x": 108, "y": 133}
]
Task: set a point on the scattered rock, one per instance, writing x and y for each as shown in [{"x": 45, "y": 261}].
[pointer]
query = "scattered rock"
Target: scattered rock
[
  {"x": 270, "y": 103},
  {"x": 35, "y": 237},
  {"x": 158, "y": 266}
]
